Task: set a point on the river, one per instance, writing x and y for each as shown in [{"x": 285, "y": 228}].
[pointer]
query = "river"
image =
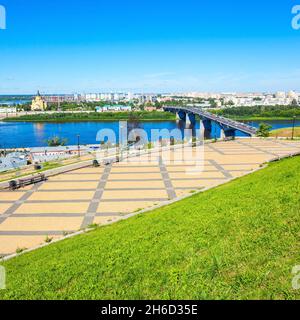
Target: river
[{"x": 32, "y": 134}]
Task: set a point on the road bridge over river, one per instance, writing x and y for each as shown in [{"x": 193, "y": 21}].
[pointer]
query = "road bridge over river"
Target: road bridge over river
[{"x": 228, "y": 126}]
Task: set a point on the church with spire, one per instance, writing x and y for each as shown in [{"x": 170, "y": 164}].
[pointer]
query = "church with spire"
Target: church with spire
[{"x": 38, "y": 103}]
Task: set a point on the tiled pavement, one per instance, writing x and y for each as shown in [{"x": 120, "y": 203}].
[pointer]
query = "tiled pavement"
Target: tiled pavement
[{"x": 70, "y": 201}]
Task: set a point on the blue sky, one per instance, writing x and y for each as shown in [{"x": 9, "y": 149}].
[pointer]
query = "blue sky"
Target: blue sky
[{"x": 149, "y": 46}]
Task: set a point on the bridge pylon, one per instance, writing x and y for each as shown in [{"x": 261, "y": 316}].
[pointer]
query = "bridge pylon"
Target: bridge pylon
[
  {"x": 227, "y": 132},
  {"x": 181, "y": 115}
]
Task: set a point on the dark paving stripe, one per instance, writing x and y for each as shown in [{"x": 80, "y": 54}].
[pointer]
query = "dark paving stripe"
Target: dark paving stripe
[
  {"x": 215, "y": 149},
  {"x": 257, "y": 148},
  {"x": 240, "y": 164},
  {"x": 198, "y": 179},
  {"x": 34, "y": 233},
  {"x": 58, "y": 201},
  {"x": 134, "y": 189},
  {"x": 242, "y": 154},
  {"x": 189, "y": 188},
  {"x": 106, "y": 189},
  {"x": 226, "y": 173},
  {"x": 65, "y": 190},
  {"x": 183, "y": 171},
  {"x": 238, "y": 170},
  {"x": 70, "y": 181},
  {"x": 185, "y": 165},
  {"x": 93, "y": 207},
  {"x": 135, "y": 172},
  {"x": 135, "y": 200},
  {"x": 99, "y": 173},
  {"x": 17, "y": 204},
  {"x": 47, "y": 215},
  {"x": 135, "y": 166},
  {"x": 167, "y": 181},
  {"x": 133, "y": 180}
]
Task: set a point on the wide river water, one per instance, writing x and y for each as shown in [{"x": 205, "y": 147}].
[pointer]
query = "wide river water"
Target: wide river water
[{"x": 32, "y": 134}]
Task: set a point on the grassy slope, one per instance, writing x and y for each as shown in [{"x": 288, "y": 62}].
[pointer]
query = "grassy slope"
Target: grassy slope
[
  {"x": 286, "y": 132},
  {"x": 239, "y": 240}
]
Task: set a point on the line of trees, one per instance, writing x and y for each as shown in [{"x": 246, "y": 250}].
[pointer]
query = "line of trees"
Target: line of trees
[
  {"x": 261, "y": 111},
  {"x": 95, "y": 116}
]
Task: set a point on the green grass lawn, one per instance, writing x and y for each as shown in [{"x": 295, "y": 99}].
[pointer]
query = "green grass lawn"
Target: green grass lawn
[
  {"x": 286, "y": 132},
  {"x": 238, "y": 241}
]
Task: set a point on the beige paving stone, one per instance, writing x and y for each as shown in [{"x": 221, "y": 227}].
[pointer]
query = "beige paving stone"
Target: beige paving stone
[
  {"x": 247, "y": 167},
  {"x": 68, "y": 207},
  {"x": 137, "y": 194},
  {"x": 10, "y": 196},
  {"x": 41, "y": 224},
  {"x": 196, "y": 175},
  {"x": 75, "y": 195},
  {"x": 74, "y": 177},
  {"x": 150, "y": 161},
  {"x": 26, "y": 188},
  {"x": 69, "y": 185},
  {"x": 92, "y": 170},
  {"x": 9, "y": 244},
  {"x": 184, "y": 169},
  {"x": 134, "y": 169},
  {"x": 192, "y": 184},
  {"x": 123, "y": 207},
  {"x": 181, "y": 163},
  {"x": 260, "y": 158},
  {"x": 185, "y": 158},
  {"x": 134, "y": 184},
  {"x": 4, "y": 207},
  {"x": 133, "y": 176}
]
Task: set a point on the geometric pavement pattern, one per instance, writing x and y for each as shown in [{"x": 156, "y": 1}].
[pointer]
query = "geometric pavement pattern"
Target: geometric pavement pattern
[{"x": 74, "y": 200}]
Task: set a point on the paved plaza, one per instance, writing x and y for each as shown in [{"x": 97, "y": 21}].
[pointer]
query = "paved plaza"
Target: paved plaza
[{"x": 74, "y": 200}]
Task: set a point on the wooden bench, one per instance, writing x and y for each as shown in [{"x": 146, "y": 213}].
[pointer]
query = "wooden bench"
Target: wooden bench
[
  {"x": 111, "y": 161},
  {"x": 21, "y": 183}
]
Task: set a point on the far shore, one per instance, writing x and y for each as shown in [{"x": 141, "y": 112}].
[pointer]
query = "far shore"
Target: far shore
[
  {"x": 159, "y": 118},
  {"x": 286, "y": 132},
  {"x": 94, "y": 117},
  {"x": 263, "y": 118},
  {"x": 88, "y": 120}
]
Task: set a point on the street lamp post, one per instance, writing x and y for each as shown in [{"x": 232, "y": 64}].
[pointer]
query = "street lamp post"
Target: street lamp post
[
  {"x": 78, "y": 144},
  {"x": 293, "y": 131}
]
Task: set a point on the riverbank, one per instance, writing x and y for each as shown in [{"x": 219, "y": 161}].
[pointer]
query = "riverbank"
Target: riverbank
[
  {"x": 262, "y": 118},
  {"x": 286, "y": 132},
  {"x": 260, "y": 113},
  {"x": 94, "y": 116}
]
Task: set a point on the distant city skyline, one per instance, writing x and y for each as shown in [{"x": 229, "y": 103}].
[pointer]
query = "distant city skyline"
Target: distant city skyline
[{"x": 150, "y": 46}]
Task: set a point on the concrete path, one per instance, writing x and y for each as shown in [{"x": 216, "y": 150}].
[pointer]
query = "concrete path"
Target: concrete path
[{"x": 76, "y": 199}]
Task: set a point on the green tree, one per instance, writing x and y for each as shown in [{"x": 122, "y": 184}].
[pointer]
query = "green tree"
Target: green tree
[
  {"x": 264, "y": 130},
  {"x": 56, "y": 141}
]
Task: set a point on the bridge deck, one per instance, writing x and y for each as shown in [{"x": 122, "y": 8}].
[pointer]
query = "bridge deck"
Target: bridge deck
[{"x": 219, "y": 119}]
